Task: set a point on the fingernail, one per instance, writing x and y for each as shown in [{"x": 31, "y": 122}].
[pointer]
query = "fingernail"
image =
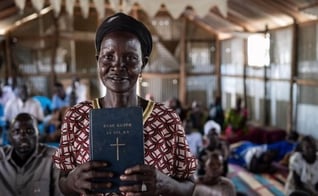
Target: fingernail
[{"x": 122, "y": 177}]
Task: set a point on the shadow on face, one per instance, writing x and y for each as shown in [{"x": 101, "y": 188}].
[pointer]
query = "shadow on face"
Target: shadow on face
[
  {"x": 308, "y": 148},
  {"x": 23, "y": 135},
  {"x": 214, "y": 165}
]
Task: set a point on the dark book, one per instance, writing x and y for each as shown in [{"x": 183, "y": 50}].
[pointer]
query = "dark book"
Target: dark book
[{"x": 116, "y": 136}]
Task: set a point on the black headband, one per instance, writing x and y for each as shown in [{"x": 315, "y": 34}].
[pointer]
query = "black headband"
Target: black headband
[{"x": 123, "y": 22}]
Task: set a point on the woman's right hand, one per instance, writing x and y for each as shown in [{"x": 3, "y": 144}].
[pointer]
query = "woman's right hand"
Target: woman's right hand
[{"x": 80, "y": 179}]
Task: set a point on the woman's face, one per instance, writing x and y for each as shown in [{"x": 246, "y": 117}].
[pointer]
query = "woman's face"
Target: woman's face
[{"x": 120, "y": 61}]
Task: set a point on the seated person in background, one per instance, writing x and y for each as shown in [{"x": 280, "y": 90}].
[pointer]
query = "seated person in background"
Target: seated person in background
[
  {"x": 194, "y": 137},
  {"x": 45, "y": 102},
  {"x": 52, "y": 132},
  {"x": 77, "y": 90},
  {"x": 235, "y": 120},
  {"x": 303, "y": 169},
  {"x": 60, "y": 98},
  {"x": 6, "y": 93},
  {"x": 176, "y": 105},
  {"x": 198, "y": 116},
  {"x": 26, "y": 166},
  {"x": 259, "y": 158},
  {"x": 23, "y": 102},
  {"x": 216, "y": 112},
  {"x": 212, "y": 142},
  {"x": 212, "y": 182},
  {"x": 209, "y": 124}
]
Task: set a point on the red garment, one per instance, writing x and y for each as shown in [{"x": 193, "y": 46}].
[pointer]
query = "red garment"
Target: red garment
[{"x": 165, "y": 143}]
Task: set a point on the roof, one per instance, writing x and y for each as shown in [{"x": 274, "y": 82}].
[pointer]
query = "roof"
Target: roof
[{"x": 242, "y": 15}]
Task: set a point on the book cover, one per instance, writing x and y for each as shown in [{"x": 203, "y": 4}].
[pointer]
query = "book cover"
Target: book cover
[{"x": 116, "y": 136}]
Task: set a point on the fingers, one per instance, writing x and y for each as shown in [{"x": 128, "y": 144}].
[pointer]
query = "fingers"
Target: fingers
[
  {"x": 144, "y": 175},
  {"x": 144, "y": 169},
  {"x": 81, "y": 177},
  {"x": 139, "y": 173},
  {"x": 137, "y": 189},
  {"x": 91, "y": 170},
  {"x": 90, "y": 165}
]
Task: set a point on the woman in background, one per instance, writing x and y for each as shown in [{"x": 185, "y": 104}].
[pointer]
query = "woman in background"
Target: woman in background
[{"x": 235, "y": 120}]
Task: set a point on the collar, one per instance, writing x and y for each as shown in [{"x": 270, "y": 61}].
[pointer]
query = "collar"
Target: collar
[{"x": 147, "y": 107}]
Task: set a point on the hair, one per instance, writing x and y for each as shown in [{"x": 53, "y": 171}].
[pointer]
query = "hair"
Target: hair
[
  {"x": 304, "y": 139},
  {"x": 58, "y": 84},
  {"x": 126, "y": 23},
  {"x": 215, "y": 154},
  {"x": 25, "y": 117}
]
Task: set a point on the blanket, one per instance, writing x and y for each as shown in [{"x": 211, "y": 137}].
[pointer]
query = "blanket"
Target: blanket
[{"x": 256, "y": 184}]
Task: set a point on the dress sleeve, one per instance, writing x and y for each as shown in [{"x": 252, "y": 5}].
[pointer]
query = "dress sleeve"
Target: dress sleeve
[
  {"x": 63, "y": 157},
  {"x": 185, "y": 163}
]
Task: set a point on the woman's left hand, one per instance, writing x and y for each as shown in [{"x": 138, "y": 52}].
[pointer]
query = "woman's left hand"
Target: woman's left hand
[{"x": 146, "y": 175}]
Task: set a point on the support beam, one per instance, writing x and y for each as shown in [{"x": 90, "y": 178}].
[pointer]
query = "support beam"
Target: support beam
[
  {"x": 218, "y": 67},
  {"x": 8, "y": 64},
  {"x": 182, "y": 76},
  {"x": 291, "y": 114}
]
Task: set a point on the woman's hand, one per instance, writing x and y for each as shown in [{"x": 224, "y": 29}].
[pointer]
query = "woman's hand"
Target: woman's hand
[
  {"x": 145, "y": 175},
  {"x": 152, "y": 182},
  {"x": 79, "y": 180}
]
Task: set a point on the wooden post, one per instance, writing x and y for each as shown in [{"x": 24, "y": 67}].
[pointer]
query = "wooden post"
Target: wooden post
[
  {"x": 244, "y": 73},
  {"x": 266, "y": 105},
  {"x": 54, "y": 52},
  {"x": 182, "y": 76},
  {"x": 8, "y": 64},
  {"x": 293, "y": 73},
  {"x": 218, "y": 67}
]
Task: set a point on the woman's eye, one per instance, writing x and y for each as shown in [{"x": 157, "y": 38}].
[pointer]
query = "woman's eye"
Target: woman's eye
[
  {"x": 131, "y": 58},
  {"x": 108, "y": 57}
]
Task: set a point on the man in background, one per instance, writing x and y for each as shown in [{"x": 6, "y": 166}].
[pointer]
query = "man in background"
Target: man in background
[{"x": 26, "y": 166}]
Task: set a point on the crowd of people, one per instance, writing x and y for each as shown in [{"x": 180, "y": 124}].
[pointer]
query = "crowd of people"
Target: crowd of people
[
  {"x": 212, "y": 131},
  {"x": 193, "y": 156},
  {"x": 48, "y": 111}
]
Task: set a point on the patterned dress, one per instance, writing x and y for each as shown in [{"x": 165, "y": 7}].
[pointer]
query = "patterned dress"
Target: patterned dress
[{"x": 166, "y": 147}]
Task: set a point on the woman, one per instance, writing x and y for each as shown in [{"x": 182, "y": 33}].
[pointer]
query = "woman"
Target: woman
[
  {"x": 235, "y": 120},
  {"x": 303, "y": 167},
  {"x": 123, "y": 47}
]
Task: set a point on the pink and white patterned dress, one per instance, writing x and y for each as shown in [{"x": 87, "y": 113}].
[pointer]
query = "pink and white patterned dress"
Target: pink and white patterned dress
[{"x": 166, "y": 147}]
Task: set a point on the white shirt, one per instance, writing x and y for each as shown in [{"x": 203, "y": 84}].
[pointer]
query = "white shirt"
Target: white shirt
[
  {"x": 16, "y": 106},
  {"x": 80, "y": 91},
  {"x": 195, "y": 142},
  {"x": 307, "y": 172},
  {"x": 254, "y": 151},
  {"x": 7, "y": 94}
]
